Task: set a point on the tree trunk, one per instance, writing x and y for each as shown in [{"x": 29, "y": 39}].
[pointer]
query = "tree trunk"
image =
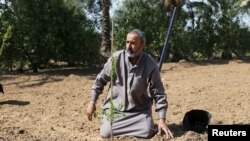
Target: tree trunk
[
  {"x": 106, "y": 43},
  {"x": 227, "y": 54}
]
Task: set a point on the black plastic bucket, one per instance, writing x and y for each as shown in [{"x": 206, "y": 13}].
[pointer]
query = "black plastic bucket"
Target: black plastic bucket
[{"x": 196, "y": 120}]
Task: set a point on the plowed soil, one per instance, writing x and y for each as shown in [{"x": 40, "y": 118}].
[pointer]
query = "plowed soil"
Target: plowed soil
[{"x": 50, "y": 105}]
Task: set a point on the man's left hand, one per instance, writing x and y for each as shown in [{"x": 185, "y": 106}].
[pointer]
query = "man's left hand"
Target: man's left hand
[{"x": 163, "y": 128}]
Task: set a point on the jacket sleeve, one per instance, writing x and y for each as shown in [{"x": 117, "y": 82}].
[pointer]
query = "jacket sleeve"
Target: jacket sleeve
[
  {"x": 101, "y": 80},
  {"x": 157, "y": 92}
]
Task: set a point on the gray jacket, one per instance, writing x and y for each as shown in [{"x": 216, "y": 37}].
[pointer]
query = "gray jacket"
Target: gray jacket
[{"x": 136, "y": 87}]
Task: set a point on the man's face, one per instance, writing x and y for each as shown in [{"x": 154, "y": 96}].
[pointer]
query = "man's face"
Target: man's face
[{"x": 134, "y": 45}]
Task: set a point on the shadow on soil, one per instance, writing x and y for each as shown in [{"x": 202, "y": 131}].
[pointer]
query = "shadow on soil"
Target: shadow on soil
[
  {"x": 47, "y": 76},
  {"x": 178, "y": 130},
  {"x": 15, "y": 102}
]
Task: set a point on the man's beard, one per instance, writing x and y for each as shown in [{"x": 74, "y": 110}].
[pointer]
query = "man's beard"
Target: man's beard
[{"x": 132, "y": 54}]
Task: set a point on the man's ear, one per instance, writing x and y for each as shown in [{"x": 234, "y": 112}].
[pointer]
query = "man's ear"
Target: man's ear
[{"x": 142, "y": 46}]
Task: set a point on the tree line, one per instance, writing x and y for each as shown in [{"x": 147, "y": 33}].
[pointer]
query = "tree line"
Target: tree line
[{"x": 41, "y": 34}]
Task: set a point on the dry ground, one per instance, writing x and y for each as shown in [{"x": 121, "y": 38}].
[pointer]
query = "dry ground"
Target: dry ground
[{"x": 50, "y": 106}]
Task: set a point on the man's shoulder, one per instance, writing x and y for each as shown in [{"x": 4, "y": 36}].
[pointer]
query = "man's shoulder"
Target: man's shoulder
[
  {"x": 150, "y": 59},
  {"x": 118, "y": 53}
]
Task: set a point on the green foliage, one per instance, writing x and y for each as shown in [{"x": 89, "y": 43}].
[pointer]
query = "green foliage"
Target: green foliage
[
  {"x": 150, "y": 16},
  {"x": 206, "y": 28},
  {"x": 34, "y": 33},
  {"x": 10, "y": 56},
  {"x": 112, "y": 113},
  {"x": 48, "y": 30},
  {"x": 114, "y": 110},
  {"x": 214, "y": 29},
  {"x": 113, "y": 70}
]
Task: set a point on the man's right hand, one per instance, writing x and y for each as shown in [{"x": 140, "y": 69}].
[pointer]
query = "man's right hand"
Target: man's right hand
[{"x": 90, "y": 110}]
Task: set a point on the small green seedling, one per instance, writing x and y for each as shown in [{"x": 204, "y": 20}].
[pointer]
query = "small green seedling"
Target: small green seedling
[{"x": 113, "y": 112}]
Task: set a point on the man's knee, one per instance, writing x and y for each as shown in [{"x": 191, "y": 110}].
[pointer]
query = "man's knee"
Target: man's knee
[
  {"x": 105, "y": 133},
  {"x": 151, "y": 130}
]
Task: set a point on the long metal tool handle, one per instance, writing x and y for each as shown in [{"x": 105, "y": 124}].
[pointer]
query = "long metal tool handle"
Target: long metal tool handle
[{"x": 163, "y": 53}]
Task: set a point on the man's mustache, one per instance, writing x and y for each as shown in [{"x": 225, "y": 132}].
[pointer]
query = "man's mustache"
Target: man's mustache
[{"x": 130, "y": 50}]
